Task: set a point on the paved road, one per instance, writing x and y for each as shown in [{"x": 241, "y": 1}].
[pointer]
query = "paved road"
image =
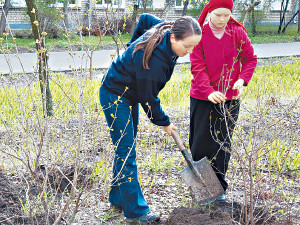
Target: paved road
[{"x": 62, "y": 61}]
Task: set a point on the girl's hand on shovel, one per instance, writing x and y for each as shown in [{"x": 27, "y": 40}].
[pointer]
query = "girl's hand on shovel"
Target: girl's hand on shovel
[{"x": 169, "y": 129}]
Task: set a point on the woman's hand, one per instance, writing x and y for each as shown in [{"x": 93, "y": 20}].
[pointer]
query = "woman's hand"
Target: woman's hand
[
  {"x": 169, "y": 129},
  {"x": 238, "y": 85},
  {"x": 216, "y": 97}
]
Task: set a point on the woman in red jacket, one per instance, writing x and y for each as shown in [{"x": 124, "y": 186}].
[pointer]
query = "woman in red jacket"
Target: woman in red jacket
[{"x": 222, "y": 63}]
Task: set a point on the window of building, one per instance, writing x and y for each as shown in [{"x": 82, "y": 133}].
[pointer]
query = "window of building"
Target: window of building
[
  {"x": 179, "y": 3},
  {"x": 14, "y": 3},
  {"x": 158, "y": 4},
  {"x": 72, "y": 3},
  {"x": 105, "y": 3},
  {"x": 276, "y": 5}
]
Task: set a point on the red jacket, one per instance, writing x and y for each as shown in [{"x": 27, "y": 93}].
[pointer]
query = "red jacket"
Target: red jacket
[{"x": 212, "y": 62}]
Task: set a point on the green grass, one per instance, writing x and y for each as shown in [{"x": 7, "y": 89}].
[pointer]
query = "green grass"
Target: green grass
[
  {"x": 65, "y": 94},
  {"x": 157, "y": 162},
  {"x": 265, "y": 34},
  {"x": 282, "y": 158},
  {"x": 64, "y": 42},
  {"x": 177, "y": 89},
  {"x": 275, "y": 80},
  {"x": 268, "y": 34}
]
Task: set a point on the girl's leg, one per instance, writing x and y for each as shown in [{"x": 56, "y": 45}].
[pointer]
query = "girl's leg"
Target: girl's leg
[
  {"x": 224, "y": 119},
  {"x": 224, "y": 123},
  {"x": 209, "y": 134},
  {"x": 201, "y": 142},
  {"x": 122, "y": 120}
]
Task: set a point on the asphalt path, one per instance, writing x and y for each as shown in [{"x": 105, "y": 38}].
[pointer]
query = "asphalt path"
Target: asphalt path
[{"x": 66, "y": 61}]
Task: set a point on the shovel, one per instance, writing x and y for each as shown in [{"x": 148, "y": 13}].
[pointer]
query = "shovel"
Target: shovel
[{"x": 199, "y": 176}]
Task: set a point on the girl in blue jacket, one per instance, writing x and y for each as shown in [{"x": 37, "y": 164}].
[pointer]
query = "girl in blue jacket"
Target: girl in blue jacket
[{"x": 137, "y": 76}]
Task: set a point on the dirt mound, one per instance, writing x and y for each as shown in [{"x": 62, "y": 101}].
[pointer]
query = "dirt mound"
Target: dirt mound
[
  {"x": 198, "y": 216},
  {"x": 10, "y": 198}
]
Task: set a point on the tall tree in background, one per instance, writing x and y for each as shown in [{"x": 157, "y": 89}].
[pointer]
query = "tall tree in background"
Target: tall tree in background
[
  {"x": 296, "y": 12},
  {"x": 185, "y": 5},
  {"x": 66, "y": 12},
  {"x": 134, "y": 15},
  {"x": 5, "y": 10},
  {"x": 252, "y": 12},
  {"x": 283, "y": 10},
  {"x": 250, "y": 9},
  {"x": 42, "y": 56},
  {"x": 298, "y": 16}
]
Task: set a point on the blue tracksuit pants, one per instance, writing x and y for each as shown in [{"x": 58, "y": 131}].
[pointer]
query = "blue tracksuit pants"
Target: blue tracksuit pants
[{"x": 122, "y": 119}]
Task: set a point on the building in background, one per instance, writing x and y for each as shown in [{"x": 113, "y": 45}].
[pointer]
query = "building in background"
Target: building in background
[{"x": 167, "y": 9}]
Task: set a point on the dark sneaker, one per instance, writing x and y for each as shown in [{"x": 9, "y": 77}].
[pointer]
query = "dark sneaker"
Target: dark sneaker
[
  {"x": 222, "y": 198},
  {"x": 147, "y": 218}
]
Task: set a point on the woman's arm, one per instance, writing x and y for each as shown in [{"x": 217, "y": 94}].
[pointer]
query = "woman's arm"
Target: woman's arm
[
  {"x": 146, "y": 22},
  {"x": 200, "y": 80}
]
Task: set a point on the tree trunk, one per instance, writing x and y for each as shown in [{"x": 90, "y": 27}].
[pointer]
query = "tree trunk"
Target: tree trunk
[
  {"x": 66, "y": 11},
  {"x": 299, "y": 17},
  {"x": 145, "y": 5},
  {"x": 282, "y": 14},
  {"x": 185, "y": 5},
  {"x": 4, "y": 16},
  {"x": 253, "y": 24},
  {"x": 42, "y": 58},
  {"x": 292, "y": 18},
  {"x": 133, "y": 17},
  {"x": 250, "y": 9}
]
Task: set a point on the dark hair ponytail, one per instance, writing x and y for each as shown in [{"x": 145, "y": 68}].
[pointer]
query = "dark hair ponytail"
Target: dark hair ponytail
[
  {"x": 156, "y": 35},
  {"x": 183, "y": 27}
]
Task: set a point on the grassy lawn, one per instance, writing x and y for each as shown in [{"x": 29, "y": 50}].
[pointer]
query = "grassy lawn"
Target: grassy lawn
[
  {"x": 265, "y": 34},
  {"x": 268, "y": 34},
  {"x": 63, "y": 42}
]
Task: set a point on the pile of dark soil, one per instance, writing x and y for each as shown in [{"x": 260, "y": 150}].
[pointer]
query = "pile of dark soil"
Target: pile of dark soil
[
  {"x": 13, "y": 194},
  {"x": 217, "y": 213},
  {"x": 199, "y": 216},
  {"x": 10, "y": 199}
]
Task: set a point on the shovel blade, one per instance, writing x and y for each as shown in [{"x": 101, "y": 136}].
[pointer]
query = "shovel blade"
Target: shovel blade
[{"x": 205, "y": 188}]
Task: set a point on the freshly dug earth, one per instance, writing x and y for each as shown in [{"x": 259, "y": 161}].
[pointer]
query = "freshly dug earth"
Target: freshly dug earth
[
  {"x": 198, "y": 216},
  {"x": 10, "y": 199}
]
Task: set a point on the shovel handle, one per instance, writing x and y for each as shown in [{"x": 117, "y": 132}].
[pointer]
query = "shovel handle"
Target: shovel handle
[
  {"x": 188, "y": 158},
  {"x": 177, "y": 140}
]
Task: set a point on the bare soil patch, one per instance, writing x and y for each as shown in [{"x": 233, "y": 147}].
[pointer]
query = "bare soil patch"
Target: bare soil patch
[{"x": 199, "y": 216}]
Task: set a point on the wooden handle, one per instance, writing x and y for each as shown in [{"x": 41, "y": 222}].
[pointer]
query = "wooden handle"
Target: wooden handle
[{"x": 178, "y": 140}]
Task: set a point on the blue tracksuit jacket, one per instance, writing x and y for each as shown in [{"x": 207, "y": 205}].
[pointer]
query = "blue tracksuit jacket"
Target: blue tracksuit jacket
[{"x": 126, "y": 76}]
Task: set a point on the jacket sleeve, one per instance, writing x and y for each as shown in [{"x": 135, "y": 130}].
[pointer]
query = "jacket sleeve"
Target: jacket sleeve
[
  {"x": 200, "y": 80},
  {"x": 248, "y": 58},
  {"x": 149, "y": 83},
  {"x": 146, "y": 22}
]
